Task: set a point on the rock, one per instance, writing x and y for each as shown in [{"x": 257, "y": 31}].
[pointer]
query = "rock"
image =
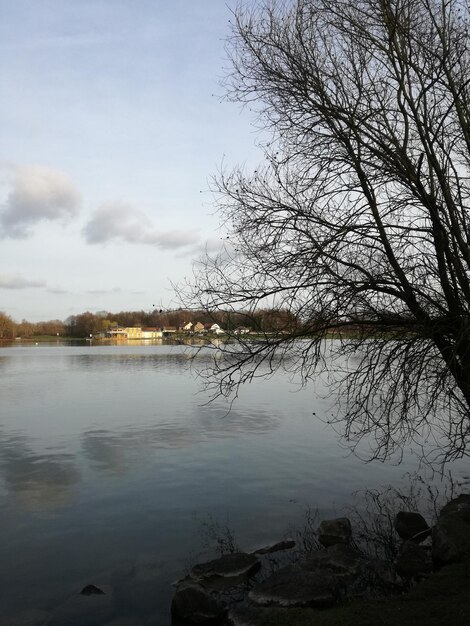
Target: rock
[
  {"x": 343, "y": 560},
  {"x": 193, "y": 604},
  {"x": 276, "y": 547},
  {"x": 92, "y": 609},
  {"x": 413, "y": 561},
  {"x": 451, "y": 534},
  {"x": 333, "y": 531},
  {"x": 91, "y": 590},
  {"x": 459, "y": 506},
  {"x": 319, "y": 580},
  {"x": 245, "y": 614},
  {"x": 380, "y": 577},
  {"x": 411, "y": 526},
  {"x": 293, "y": 587},
  {"x": 445, "y": 550},
  {"x": 228, "y": 566}
]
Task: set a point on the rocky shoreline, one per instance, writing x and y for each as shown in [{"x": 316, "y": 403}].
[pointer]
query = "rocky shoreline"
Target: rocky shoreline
[
  {"x": 242, "y": 589},
  {"x": 332, "y": 581}
]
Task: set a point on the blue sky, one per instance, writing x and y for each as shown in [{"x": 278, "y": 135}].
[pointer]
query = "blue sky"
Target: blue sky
[{"x": 112, "y": 125}]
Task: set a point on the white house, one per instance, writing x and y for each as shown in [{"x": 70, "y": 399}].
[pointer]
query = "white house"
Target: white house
[{"x": 215, "y": 328}]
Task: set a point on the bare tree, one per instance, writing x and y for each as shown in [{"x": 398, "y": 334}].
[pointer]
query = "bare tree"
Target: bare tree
[
  {"x": 7, "y": 327},
  {"x": 358, "y": 217}
]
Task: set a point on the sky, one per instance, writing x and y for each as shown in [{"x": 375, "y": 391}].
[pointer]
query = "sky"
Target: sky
[{"x": 112, "y": 123}]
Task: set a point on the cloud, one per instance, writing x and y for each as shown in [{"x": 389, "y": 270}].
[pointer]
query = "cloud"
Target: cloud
[
  {"x": 16, "y": 281},
  {"x": 120, "y": 221},
  {"x": 220, "y": 248},
  {"x": 103, "y": 292},
  {"x": 58, "y": 291},
  {"x": 40, "y": 482},
  {"x": 37, "y": 193}
]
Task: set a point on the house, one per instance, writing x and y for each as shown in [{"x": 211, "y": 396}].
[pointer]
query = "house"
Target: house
[
  {"x": 242, "y": 330},
  {"x": 215, "y": 328},
  {"x": 117, "y": 333},
  {"x": 152, "y": 333},
  {"x": 187, "y": 327},
  {"x": 134, "y": 332},
  {"x": 198, "y": 327}
]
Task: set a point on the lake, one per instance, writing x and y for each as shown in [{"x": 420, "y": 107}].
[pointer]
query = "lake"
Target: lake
[{"x": 111, "y": 462}]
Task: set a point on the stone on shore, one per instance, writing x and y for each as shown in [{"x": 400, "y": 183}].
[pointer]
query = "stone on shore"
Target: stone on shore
[
  {"x": 216, "y": 592},
  {"x": 227, "y": 566},
  {"x": 459, "y": 506},
  {"x": 413, "y": 561},
  {"x": 245, "y": 614},
  {"x": 195, "y": 605},
  {"x": 445, "y": 550},
  {"x": 294, "y": 587},
  {"x": 334, "y": 531},
  {"x": 276, "y": 547},
  {"x": 451, "y": 534},
  {"x": 319, "y": 580},
  {"x": 411, "y": 526}
]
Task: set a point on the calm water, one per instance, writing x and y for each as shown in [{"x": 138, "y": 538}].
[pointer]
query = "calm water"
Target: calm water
[{"x": 109, "y": 461}]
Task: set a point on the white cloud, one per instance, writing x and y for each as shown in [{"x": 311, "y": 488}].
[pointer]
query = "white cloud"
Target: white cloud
[
  {"x": 16, "y": 281},
  {"x": 120, "y": 221},
  {"x": 102, "y": 292},
  {"x": 37, "y": 193},
  {"x": 214, "y": 247},
  {"x": 58, "y": 291}
]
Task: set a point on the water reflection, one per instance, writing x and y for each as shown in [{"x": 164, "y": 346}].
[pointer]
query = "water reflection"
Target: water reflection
[
  {"x": 173, "y": 361},
  {"x": 42, "y": 478},
  {"x": 5, "y": 363},
  {"x": 105, "y": 450},
  {"x": 109, "y": 450},
  {"x": 218, "y": 422},
  {"x": 39, "y": 482},
  {"x": 115, "y": 443}
]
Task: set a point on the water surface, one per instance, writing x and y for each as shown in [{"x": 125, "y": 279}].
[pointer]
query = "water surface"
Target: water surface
[{"x": 110, "y": 459}]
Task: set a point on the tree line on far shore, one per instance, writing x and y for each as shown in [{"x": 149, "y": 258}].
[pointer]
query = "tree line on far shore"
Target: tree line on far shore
[
  {"x": 87, "y": 323},
  {"x": 10, "y": 329}
]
